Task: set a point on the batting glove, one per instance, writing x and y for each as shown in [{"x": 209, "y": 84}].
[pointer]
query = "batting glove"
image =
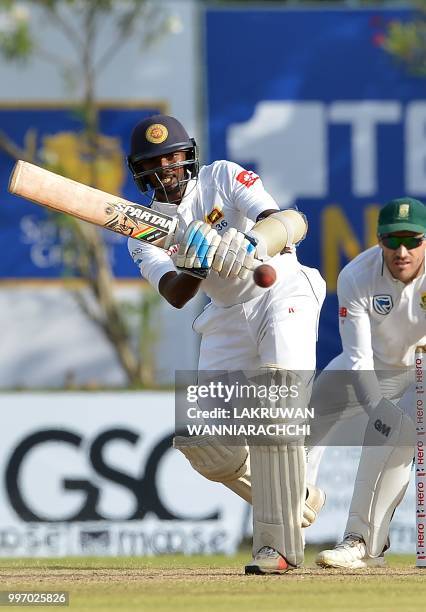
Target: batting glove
[
  {"x": 259, "y": 253},
  {"x": 234, "y": 256},
  {"x": 198, "y": 246}
]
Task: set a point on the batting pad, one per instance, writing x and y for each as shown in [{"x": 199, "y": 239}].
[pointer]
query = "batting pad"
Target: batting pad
[
  {"x": 217, "y": 461},
  {"x": 278, "y": 493}
]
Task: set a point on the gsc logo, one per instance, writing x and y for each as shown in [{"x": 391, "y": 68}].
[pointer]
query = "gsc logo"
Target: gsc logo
[{"x": 144, "y": 488}]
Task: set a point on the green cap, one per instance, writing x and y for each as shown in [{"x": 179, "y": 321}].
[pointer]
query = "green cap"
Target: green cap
[{"x": 402, "y": 214}]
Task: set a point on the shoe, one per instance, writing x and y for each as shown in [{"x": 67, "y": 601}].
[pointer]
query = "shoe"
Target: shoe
[
  {"x": 314, "y": 502},
  {"x": 268, "y": 561},
  {"x": 351, "y": 554}
]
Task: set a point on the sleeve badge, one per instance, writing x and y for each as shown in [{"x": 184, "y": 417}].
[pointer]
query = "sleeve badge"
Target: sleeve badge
[{"x": 247, "y": 178}]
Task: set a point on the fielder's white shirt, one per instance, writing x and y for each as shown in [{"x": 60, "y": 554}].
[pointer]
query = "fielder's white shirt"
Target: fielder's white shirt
[
  {"x": 381, "y": 319},
  {"x": 227, "y": 196}
]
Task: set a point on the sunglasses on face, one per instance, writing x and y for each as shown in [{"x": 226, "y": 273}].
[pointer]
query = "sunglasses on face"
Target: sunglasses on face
[{"x": 394, "y": 242}]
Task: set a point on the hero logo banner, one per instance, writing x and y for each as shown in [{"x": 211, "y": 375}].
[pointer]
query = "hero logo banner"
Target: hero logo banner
[{"x": 98, "y": 483}]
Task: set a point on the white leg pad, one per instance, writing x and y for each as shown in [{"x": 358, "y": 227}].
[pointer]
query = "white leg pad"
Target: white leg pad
[
  {"x": 279, "y": 490},
  {"x": 242, "y": 485},
  {"x": 219, "y": 462},
  {"x": 211, "y": 453},
  {"x": 383, "y": 475}
]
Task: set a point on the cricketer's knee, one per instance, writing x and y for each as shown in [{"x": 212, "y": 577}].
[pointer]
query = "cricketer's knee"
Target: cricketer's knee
[{"x": 218, "y": 462}]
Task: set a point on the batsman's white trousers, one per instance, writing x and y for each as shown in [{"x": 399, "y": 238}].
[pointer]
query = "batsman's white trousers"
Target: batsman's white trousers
[{"x": 277, "y": 328}]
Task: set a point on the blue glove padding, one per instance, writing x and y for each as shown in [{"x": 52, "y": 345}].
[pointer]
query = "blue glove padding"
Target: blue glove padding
[{"x": 198, "y": 246}]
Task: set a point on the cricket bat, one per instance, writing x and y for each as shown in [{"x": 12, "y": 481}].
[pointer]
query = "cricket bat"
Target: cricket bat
[
  {"x": 89, "y": 204},
  {"x": 125, "y": 217}
]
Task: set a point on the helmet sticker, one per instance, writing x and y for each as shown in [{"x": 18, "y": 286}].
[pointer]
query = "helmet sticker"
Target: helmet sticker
[{"x": 156, "y": 133}]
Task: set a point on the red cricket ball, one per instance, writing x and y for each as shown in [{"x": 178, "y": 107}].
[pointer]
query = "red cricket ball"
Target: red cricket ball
[{"x": 264, "y": 276}]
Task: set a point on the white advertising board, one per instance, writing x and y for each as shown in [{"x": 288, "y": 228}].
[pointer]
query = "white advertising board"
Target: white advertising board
[{"x": 93, "y": 473}]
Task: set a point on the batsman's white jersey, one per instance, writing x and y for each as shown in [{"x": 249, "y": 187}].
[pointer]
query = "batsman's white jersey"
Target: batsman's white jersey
[
  {"x": 381, "y": 319},
  {"x": 226, "y": 195}
]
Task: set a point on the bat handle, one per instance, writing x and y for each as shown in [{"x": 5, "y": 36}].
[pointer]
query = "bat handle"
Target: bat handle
[{"x": 200, "y": 273}]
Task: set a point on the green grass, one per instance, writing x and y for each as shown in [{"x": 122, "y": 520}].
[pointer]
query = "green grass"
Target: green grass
[{"x": 216, "y": 583}]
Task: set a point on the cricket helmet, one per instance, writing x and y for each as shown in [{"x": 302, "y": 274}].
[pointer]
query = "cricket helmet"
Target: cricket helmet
[{"x": 160, "y": 135}]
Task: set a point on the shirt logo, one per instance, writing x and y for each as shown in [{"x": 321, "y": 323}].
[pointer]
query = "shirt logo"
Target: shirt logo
[
  {"x": 382, "y": 304},
  {"x": 247, "y": 178},
  {"x": 343, "y": 312},
  {"x": 214, "y": 216},
  {"x": 423, "y": 301},
  {"x": 156, "y": 133}
]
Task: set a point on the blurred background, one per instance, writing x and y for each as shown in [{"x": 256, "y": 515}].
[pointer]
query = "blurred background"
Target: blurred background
[{"x": 324, "y": 100}]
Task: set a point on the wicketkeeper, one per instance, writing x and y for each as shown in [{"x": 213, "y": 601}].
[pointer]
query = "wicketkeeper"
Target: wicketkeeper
[{"x": 382, "y": 318}]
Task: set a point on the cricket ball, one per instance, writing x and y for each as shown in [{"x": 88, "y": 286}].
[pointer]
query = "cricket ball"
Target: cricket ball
[{"x": 264, "y": 276}]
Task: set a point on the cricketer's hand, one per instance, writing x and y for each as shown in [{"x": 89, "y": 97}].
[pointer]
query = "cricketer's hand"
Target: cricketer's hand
[
  {"x": 237, "y": 254},
  {"x": 198, "y": 247}
]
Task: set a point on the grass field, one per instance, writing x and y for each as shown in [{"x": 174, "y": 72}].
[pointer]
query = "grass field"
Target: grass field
[{"x": 215, "y": 584}]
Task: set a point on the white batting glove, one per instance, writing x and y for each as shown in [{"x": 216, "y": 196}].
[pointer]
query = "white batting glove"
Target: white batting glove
[
  {"x": 258, "y": 253},
  {"x": 198, "y": 246},
  {"x": 234, "y": 256}
]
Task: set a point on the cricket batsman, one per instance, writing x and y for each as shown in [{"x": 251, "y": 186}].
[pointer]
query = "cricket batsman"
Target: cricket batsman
[
  {"x": 382, "y": 318},
  {"x": 220, "y": 209}
]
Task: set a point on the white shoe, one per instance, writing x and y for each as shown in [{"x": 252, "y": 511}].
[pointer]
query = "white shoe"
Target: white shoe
[
  {"x": 351, "y": 554},
  {"x": 314, "y": 502},
  {"x": 268, "y": 561}
]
